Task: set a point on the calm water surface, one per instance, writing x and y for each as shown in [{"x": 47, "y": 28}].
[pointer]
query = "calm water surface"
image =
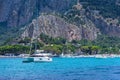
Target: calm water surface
[{"x": 61, "y": 69}]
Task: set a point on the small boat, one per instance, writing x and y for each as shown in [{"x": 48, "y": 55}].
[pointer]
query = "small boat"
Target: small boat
[
  {"x": 62, "y": 55},
  {"x": 38, "y": 56}
]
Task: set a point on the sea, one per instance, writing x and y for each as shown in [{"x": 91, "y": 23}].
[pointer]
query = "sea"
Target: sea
[{"x": 61, "y": 69}]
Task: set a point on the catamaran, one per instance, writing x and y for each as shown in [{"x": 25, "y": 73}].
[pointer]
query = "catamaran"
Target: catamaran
[{"x": 39, "y": 56}]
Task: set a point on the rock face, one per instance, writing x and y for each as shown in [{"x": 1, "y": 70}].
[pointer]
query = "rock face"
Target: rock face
[
  {"x": 29, "y": 14},
  {"x": 21, "y": 12},
  {"x": 107, "y": 26},
  {"x": 57, "y": 27}
]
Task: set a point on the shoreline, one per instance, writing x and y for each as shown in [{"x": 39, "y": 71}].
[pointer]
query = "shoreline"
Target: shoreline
[
  {"x": 73, "y": 56},
  {"x": 94, "y": 56},
  {"x": 10, "y": 56}
]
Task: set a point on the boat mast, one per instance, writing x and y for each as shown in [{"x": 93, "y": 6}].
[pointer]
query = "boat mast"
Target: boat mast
[
  {"x": 34, "y": 38},
  {"x": 30, "y": 52},
  {"x": 37, "y": 21}
]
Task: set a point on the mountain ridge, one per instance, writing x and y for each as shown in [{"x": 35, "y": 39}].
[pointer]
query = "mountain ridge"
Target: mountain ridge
[{"x": 70, "y": 19}]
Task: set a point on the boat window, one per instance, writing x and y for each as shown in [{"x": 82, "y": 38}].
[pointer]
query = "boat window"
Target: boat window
[{"x": 40, "y": 59}]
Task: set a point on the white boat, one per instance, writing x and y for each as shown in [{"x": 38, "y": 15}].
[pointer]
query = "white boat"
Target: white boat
[
  {"x": 62, "y": 55},
  {"x": 38, "y": 56}
]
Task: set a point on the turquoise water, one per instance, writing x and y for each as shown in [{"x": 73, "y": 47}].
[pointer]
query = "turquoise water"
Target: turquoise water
[{"x": 61, "y": 69}]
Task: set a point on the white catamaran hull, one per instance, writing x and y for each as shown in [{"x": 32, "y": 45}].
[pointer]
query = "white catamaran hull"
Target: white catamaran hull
[{"x": 38, "y": 59}]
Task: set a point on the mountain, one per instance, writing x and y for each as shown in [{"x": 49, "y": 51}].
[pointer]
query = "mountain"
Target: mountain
[
  {"x": 21, "y": 12},
  {"x": 70, "y": 19},
  {"x": 57, "y": 27}
]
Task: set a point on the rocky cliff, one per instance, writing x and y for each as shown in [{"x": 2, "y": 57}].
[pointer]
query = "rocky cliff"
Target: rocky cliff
[
  {"x": 21, "y": 12},
  {"x": 109, "y": 26},
  {"x": 57, "y": 27},
  {"x": 71, "y": 19}
]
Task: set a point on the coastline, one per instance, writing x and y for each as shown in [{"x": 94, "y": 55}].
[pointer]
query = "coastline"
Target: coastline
[
  {"x": 10, "y": 56},
  {"x": 93, "y": 56},
  {"x": 74, "y": 56}
]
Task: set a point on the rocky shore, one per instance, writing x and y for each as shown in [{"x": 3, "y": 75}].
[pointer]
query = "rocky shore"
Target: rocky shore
[
  {"x": 73, "y": 56},
  {"x": 94, "y": 56}
]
